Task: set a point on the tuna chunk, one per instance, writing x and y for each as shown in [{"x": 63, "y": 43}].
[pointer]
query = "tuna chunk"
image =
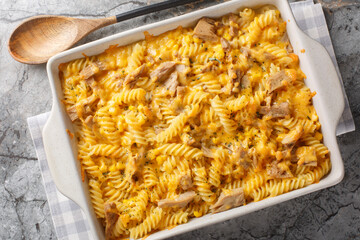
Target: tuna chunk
[
  {"x": 207, "y": 152},
  {"x": 235, "y": 76},
  {"x": 279, "y": 171},
  {"x": 278, "y": 80},
  {"x": 180, "y": 91},
  {"x": 291, "y": 137},
  {"x": 181, "y": 68},
  {"x": 89, "y": 100},
  {"x": 276, "y": 111},
  {"x": 94, "y": 85},
  {"x": 246, "y": 51},
  {"x": 89, "y": 121},
  {"x": 289, "y": 48},
  {"x": 131, "y": 168},
  {"x": 229, "y": 198},
  {"x": 225, "y": 44},
  {"x": 239, "y": 153},
  {"x": 131, "y": 78},
  {"x": 148, "y": 113},
  {"x": 233, "y": 17},
  {"x": 205, "y": 30},
  {"x": 171, "y": 83},
  {"x": 155, "y": 106},
  {"x": 150, "y": 59},
  {"x": 245, "y": 82},
  {"x": 92, "y": 69},
  {"x": 242, "y": 158},
  {"x": 234, "y": 30},
  {"x": 208, "y": 67},
  {"x": 111, "y": 217},
  {"x": 181, "y": 201},
  {"x": 306, "y": 156},
  {"x": 72, "y": 113},
  {"x": 82, "y": 109},
  {"x": 269, "y": 56},
  {"x": 90, "y": 82},
  {"x": 286, "y": 40},
  {"x": 254, "y": 157},
  {"x": 187, "y": 139},
  {"x": 162, "y": 72},
  {"x": 186, "y": 182}
]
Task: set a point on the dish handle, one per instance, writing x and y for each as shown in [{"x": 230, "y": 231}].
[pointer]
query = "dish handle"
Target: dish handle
[
  {"x": 64, "y": 168},
  {"x": 62, "y": 165},
  {"x": 329, "y": 87}
]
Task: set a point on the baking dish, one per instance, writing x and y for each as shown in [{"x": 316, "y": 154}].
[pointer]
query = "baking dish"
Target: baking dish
[{"x": 61, "y": 151}]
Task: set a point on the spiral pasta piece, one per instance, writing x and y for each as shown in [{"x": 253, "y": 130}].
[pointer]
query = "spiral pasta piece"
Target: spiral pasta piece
[
  {"x": 150, "y": 223},
  {"x": 128, "y": 96},
  {"x": 201, "y": 183},
  {"x": 177, "y": 149},
  {"x": 96, "y": 198},
  {"x": 228, "y": 124}
]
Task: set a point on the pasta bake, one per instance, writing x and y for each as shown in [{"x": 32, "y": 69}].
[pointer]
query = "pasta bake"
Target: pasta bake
[{"x": 193, "y": 121}]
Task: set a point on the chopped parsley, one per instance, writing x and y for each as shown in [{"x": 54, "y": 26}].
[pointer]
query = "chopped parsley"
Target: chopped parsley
[{"x": 215, "y": 59}]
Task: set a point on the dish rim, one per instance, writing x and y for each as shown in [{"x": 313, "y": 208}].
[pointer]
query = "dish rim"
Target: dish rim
[{"x": 314, "y": 48}]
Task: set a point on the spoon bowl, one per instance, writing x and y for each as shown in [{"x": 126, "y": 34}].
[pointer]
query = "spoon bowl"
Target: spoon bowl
[{"x": 41, "y": 37}]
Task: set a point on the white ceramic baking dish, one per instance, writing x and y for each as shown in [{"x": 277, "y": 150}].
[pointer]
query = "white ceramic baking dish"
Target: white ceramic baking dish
[{"x": 61, "y": 151}]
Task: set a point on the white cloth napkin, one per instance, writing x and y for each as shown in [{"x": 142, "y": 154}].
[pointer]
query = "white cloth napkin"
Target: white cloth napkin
[{"x": 69, "y": 220}]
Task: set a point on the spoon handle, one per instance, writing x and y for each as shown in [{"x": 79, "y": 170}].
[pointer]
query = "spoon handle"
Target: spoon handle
[{"x": 151, "y": 8}]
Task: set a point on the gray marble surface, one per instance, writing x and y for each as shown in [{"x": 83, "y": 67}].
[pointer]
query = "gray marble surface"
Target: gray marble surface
[{"x": 332, "y": 213}]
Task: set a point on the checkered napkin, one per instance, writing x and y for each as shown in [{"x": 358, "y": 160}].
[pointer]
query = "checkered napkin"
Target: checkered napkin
[
  {"x": 310, "y": 18},
  {"x": 69, "y": 220}
]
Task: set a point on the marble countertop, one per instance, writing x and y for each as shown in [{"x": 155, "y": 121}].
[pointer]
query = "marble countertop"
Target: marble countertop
[{"x": 333, "y": 213}]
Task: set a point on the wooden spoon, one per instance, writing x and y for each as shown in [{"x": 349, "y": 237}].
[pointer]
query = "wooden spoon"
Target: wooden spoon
[{"x": 38, "y": 38}]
